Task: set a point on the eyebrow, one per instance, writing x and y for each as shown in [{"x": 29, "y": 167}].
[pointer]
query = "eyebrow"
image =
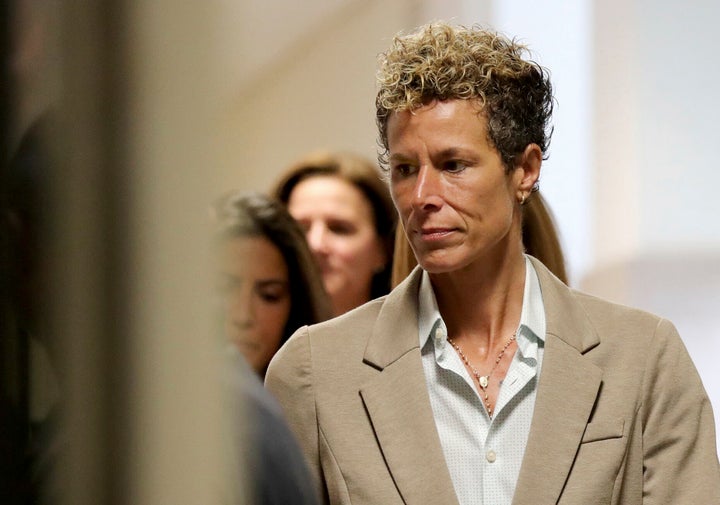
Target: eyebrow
[
  {"x": 452, "y": 152},
  {"x": 399, "y": 157},
  {"x": 449, "y": 152},
  {"x": 264, "y": 283}
]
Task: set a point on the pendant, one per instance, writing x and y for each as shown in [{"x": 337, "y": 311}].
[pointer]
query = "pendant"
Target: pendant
[{"x": 483, "y": 380}]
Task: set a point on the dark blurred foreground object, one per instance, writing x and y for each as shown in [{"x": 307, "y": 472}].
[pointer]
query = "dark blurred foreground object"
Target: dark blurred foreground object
[
  {"x": 31, "y": 392},
  {"x": 279, "y": 474}
]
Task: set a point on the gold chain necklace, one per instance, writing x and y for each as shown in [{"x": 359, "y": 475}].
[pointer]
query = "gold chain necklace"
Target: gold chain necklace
[{"x": 483, "y": 380}]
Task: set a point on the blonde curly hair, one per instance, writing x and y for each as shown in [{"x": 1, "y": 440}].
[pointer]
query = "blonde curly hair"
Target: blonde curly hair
[{"x": 442, "y": 62}]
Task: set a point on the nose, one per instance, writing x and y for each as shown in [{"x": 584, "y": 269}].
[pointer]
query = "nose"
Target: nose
[
  {"x": 427, "y": 192},
  {"x": 240, "y": 308},
  {"x": 316, "y": 237}
]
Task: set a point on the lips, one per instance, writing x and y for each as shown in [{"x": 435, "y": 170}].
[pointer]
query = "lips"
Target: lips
[{"x": 435, "y": 233}]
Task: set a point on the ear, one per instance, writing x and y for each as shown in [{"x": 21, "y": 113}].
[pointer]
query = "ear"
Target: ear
[{"x": 527, "y": 171}]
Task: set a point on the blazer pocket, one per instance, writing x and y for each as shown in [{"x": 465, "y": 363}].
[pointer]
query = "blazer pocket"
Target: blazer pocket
[{"x": 604, "y": 429}]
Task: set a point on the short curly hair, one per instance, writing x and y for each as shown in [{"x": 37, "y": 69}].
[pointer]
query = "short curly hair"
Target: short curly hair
[{"x": 439, "y": 61}]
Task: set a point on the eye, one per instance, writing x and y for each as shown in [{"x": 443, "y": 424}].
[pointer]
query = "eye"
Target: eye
[
  {"x": 403, "y": 169},
  {"x": 273, "y": 292},
  {"x": 270, "y": 297},
  {"x": 454, "y": 166},
  {"x": 341, "y": 227}
]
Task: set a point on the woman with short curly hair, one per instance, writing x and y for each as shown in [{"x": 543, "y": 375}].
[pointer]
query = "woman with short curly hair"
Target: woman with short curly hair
[
  {"x": 515, "y": 95},
  {"x": 482, "y": 378}
]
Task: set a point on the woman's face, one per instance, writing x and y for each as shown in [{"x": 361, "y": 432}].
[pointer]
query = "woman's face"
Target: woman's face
[
  {"x": 339, "y": 226},
  {"x": 456, "y": 200},
  {"x": 256, "y": 293}
]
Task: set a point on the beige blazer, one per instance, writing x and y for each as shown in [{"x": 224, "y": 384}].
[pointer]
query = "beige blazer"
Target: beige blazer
[{"x": 621, "y": 416}]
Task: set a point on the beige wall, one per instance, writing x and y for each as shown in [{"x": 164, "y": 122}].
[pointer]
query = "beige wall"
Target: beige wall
[{"x": 317, "y": 93}]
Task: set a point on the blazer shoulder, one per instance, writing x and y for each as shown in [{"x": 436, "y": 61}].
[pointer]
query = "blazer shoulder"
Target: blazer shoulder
[
  {"x": 357, "y": 320},
  {"x": 320, "y": 345},
  {"x": 603, "y": 307},
  {"x": 615, "y": 319},
  {"x": 577, "y": 308}
]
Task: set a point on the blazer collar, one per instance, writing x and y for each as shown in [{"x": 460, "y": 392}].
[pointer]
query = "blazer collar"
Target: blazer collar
[
  {"x": 396, "y": 327},
  {"x": 565, "y": 317},
  {"x": 398, "y": 404},
  {"x": 567, "y": 391}
]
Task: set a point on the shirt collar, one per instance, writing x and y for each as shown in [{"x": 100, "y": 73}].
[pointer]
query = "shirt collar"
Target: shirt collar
[{"x": 532, "y": 316}]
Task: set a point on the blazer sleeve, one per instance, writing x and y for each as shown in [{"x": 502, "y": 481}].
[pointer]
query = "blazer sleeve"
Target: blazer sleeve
[
  {"x": 680, "y": 455},
  {"x": 289, "y": 378}
]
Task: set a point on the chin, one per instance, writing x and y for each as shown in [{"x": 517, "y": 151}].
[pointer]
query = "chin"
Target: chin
[
  {"x": 440, "y": 259},
  {"x": 438, "y": 269},
  {"x": 442, "y": 262},
  {"x": 439, "y": 266}
]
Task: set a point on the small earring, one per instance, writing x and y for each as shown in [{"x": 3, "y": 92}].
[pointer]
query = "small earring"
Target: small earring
[{"x": 522, "y": 199}]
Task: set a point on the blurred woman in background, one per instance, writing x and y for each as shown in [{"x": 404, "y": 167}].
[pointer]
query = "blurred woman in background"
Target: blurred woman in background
[
  {"x": 269, "y": 283},
  {"x": 348, "y": 217}
]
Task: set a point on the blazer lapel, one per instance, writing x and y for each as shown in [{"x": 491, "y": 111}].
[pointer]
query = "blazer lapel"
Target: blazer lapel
[
  {"x": 568, "y": 387},
  {"x": 398, "y": 403}
]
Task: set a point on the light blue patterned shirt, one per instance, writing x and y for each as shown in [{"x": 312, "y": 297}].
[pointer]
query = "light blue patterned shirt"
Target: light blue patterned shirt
[{"x": 482, "y": 455}]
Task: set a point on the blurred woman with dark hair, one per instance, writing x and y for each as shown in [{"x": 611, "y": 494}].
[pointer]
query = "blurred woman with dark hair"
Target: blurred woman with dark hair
[{"x": 269, "y": 282}]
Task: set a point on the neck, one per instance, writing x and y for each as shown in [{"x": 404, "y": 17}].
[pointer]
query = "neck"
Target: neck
[{"x": 481, "y": 304}]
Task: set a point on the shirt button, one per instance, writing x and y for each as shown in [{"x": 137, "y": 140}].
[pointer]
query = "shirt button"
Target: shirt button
[
  {"x": 440, "y": 333},
  {"x": 491, "y": 456}
]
